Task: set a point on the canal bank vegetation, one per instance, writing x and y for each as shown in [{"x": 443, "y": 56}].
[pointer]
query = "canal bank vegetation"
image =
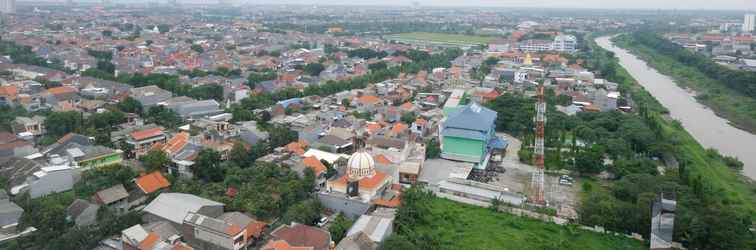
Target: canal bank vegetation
[
  {"x": 716, "y": 206},
  {"x": 730, "y": 93}
]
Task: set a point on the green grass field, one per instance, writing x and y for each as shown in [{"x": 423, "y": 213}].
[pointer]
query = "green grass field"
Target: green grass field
[
  {"x": 463, "y": 226},
  {"x": 439, "y": 38}
]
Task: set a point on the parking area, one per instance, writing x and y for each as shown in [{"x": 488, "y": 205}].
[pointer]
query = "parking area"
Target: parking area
[{"x": 517, "y": 177}]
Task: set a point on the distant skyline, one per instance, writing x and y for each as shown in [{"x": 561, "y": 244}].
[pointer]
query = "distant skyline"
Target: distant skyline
[{"x": 744, "y": 5}]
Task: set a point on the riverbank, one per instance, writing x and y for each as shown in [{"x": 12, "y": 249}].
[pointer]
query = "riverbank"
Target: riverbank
[
  {"x": 727, "y": 103},
  {"x": 733, "y": 189}
]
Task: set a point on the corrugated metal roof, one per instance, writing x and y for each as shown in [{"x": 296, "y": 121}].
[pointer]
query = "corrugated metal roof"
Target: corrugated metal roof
[
  {"x": 471, "y": 117},
  {"x": 175, "y": 206}
]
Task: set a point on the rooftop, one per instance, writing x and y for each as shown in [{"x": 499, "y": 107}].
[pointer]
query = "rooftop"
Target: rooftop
[
  {"x": 175, "y": 206},
  {"x": 152, "y": 182}
]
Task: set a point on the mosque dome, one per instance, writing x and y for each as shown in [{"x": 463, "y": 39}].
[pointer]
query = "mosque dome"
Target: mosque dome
[{"x": 360, "y": 165}]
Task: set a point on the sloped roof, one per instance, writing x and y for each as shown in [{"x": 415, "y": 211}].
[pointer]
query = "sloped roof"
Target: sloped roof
[
  {"x": 175, "y": 206},
  {"x": 357, "y": 241},
  {"x": 282, "y": 245},
  {"x": 315, "y": 164},
  {"x": 398, "y": 128},
  {"x": 407, "y": 106},
  {"x": 382, "y": 159},
  {"x": 303, "y": 236},
  {"x": 369, "y": 182},
  {"x": 369, "y": 99},
  {"x": 77, "y": 207},
  {"x": 471, "y": 117},
  {"x": 295, "y": 147},
  {"x": 176, "y": 143},
  {"x": 111, "y": 194},
  {"x": 61, "y": 90},
  {"x": 147, "y": 133},
  {"x": 152, "y": 182}
]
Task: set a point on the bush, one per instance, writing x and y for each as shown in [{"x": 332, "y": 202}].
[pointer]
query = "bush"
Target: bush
[{"x": 525, "y": 155}]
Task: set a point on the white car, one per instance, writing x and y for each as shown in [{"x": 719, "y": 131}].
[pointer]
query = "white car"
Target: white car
[
  {"x": 322, "y": 221},
  {"x": 565, "y": 182}
]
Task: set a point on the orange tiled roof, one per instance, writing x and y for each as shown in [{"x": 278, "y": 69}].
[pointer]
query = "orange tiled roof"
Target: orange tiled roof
[
  {"x": 282, "y": 245},
  {"x": 398, "y": 128},
  {"x": 149, "y": 241},
  {"x": 382, "y": 159},
  {"x": 147, "y": 133},
  {"x": 10, "y": 91},
  {"x": 61, "y": 90},
  {"x": 255, "y": 229},
  {"x": 296, "y": 148},
  {"x": 407, "y": 106},
  {"x": 176, "y": 143},
  {"x": 315, "y": 164},
  {"x": 367, "y": 182},
  {"x": 372, "y": 127},
  {"x": 181, "y": 247},
  {"x": 491, "y": 94},
  {"x": 369, "y": 99},
  {"x": 152, "y": 182},
  {"x": 393, "y": 202},
  {"x": 233, "y": 230}
]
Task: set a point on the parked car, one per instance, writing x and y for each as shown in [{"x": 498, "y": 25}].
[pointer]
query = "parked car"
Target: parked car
[{"x": 323, "y": 221}]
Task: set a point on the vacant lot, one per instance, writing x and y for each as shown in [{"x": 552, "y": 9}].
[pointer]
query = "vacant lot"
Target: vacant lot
[
  {"x": 468, "y": 227},
  {"x": 439, "y": 38}
]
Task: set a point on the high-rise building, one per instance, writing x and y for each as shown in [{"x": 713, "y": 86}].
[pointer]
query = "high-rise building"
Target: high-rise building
[
  {"x": 7, "y": 6},
  {"x": 749, "y": 23}
]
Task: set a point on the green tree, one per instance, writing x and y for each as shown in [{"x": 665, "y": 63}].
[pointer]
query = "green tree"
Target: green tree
[
  {"x": 313, "y": 69},
  {"x": 408, "y": 117},
  {"x": 378, "y": 66},
  {"x": 198, "y": 48},
  {"x": 305, "y": 212},
  {"x": 61, "y": 123},
  {"x": 207, "y": 166},
  {"x": 254, "y": 78},
  {"x": 280, "y": 136},
  {"x": 163, "y": 116},
  {"x": 397, "y": 242},
  {"x": 590, "y": 161},
  {"x": 339, "y": 227},
  {"x": 130, "y": 105},
  {"x": 432, "y": 149},
  {"x": 155, "y": 160},
  {"x": 163, "y": 28},
  {"x": 239, "y": 155}
]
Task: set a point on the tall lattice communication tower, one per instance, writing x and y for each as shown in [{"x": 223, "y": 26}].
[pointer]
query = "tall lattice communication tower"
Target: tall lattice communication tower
[{"x": 537, "y": 185}]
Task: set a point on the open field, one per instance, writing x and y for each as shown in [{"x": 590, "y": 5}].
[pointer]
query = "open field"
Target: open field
[
  {"x": 469, "y": 227},
  {"x": 439, "y": 38}
]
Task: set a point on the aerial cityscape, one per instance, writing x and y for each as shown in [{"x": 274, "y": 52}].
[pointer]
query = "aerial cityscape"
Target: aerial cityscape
[{"x": 363, "y": 125}]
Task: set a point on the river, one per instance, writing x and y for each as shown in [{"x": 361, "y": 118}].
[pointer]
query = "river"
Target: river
[{"x": 706, "y": 127}]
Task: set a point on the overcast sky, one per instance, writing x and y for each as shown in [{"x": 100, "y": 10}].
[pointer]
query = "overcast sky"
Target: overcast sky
[
  {"x": 742, "y": 5},
  {"x": 598, "y": 4}
]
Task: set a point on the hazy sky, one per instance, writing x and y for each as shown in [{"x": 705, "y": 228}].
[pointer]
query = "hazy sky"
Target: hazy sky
[
  {"x": 741, "y": 5},
  {"x": 599, "y": 4}
]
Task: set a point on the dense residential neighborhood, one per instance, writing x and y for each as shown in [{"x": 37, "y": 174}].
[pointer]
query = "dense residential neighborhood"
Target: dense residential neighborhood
[{"x": 158, "y": 126}]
